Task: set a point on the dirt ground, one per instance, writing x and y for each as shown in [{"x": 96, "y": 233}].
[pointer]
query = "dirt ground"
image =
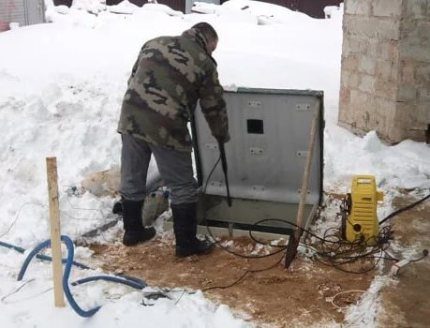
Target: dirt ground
[
  {"x": 303, "y": 295},
  {"x": 307, "y": 294},
  {"x": 406, "y": 302}
]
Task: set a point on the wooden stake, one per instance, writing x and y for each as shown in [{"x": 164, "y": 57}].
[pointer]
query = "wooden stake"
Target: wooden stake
[
  {"x": 305, "y": 181},
  {"x": 54, "y": 216},
  {"x": 293, "y": 243}
]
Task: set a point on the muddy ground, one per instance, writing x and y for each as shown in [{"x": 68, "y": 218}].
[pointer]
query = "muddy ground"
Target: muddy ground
[
  {"x": 309, "y": 293},
  {"x": 274, "y": 296},
  {"x": 406, "y": 302}
]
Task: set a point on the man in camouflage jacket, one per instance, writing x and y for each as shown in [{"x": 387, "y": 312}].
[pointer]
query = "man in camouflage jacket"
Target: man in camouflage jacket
[{"x": 170, "y": 75}]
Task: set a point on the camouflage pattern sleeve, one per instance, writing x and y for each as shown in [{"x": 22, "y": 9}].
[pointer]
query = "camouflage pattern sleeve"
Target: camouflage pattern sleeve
[
  {"x": 136, "y": 65},
  {"x": 213, "y": 105},
  {"x": 133, "y": 71}
]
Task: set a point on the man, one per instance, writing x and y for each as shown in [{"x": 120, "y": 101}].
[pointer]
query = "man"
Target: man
[{"x": 170, "y": 75}]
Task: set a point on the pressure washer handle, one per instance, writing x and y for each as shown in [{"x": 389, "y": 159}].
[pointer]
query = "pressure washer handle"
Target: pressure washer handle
[{"x": 224, "y": 168}]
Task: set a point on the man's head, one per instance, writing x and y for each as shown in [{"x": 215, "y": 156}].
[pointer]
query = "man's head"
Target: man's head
[{"x": 209, "y": 33}]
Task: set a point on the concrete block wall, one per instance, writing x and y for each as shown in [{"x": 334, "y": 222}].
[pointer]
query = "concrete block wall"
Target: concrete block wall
[
  {"x": 414, "y": 66},
  {"x": 385, "y": 80},
  {"x": 11, "y": 11},
  {"x": 23, "y": 12}
]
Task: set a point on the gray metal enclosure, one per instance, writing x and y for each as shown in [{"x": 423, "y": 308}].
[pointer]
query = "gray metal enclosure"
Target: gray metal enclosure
[
  {"x": 23, "y": 12},
  {"x": 266, "y": 158}
]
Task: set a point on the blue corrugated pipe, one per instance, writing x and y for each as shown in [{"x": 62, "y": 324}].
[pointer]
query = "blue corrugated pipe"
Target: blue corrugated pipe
[
  {"x": 129, "y": 281},
  {"x": 40, "y": 256}
]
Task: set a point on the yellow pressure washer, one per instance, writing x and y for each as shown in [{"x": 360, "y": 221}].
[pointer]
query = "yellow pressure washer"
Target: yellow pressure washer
[{"x": 358, "y": 210}]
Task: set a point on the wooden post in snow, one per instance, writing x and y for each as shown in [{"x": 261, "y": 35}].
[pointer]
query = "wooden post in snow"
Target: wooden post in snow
[{"x": 54, "y": 216}]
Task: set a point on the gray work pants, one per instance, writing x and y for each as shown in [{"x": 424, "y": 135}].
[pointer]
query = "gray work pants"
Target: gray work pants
[{"x": 175, "y": 168}]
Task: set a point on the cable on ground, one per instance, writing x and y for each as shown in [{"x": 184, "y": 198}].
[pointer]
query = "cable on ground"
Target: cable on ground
[
  {"x": 331, "y": 249},
  {"x": 69, "y": 262}
]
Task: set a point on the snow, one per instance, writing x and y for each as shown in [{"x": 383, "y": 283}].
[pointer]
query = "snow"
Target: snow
[
  {"x": 61, "y": 86},
  {"x": 405, "y": 165},
  {"x": 363, "y": 314}
]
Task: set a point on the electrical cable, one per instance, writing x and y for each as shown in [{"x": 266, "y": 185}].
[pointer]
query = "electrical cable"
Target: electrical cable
[
  {"x": 336, "y": 255},
  {"x": 16, "y": 290},
  {"x": 103, "y": 217},
  {"x": 119, "y": 278},
  {"x": 345, "y": 292},
  {"x": 134, "y": 283},
  {"x": 335, "y": 251},
  {"x": 40, "y": 256},
  {"x": 244, "y": 256},
  {"x": 17, "y": 217},
  {"x": 210, "y": 174},
  {"x": 401, "y": 264},
  {"x": 4, "y": 299},
  {"x": 212, "y": 235},
  {"x": 242, "y": 277},
  {"x": 425, "y": 254},
  {"x": 75, "y": 263},
  {"x": 395, "y": 213}
]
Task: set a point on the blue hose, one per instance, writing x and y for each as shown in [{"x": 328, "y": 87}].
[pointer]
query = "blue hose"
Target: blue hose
[
  {"x": 41, "y": 256},
  {"x": 128, "y": 281},
  {"x": 75, "y": 263}
]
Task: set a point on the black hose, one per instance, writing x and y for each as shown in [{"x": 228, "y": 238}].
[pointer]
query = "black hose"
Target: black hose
[
  {"x": 390, "y": 216},
  {"x": 225, "y": 170}
]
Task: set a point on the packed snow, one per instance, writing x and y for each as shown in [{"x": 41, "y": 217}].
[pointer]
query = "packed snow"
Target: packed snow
[{"x": 61, "y": 86}]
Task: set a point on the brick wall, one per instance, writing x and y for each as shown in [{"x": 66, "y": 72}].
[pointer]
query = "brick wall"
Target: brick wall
[{"x": 385, "y": 80}]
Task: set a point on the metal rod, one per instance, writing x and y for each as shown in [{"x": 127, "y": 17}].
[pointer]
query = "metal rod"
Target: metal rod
[{"x": 225, "y": 170}]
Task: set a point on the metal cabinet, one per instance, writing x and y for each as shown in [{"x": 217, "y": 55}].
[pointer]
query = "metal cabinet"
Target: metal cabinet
[{"x": 266, "y": 157}]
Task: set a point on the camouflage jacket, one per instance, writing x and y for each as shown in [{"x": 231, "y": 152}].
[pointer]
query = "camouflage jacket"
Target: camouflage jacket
[{"x": 170, "y": 75}]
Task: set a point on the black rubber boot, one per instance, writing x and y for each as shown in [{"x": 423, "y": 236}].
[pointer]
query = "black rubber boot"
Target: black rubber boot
[
  {"x": 185, "y": 228},
  {"x": 134, "y": 233}
]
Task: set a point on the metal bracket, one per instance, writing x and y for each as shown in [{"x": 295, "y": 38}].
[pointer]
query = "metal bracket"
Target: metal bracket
[
  {"x": 303, "y": 107},
  {"x": 302, "y": 153},
  {"x": 211, "y": 146},
  {"x": 254, "y": 103},
  {"x": 258, "y": 188},
  {"x": 256, "y": 151}
]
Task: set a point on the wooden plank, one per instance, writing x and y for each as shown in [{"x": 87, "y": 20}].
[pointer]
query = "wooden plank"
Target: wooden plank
[
  {"x": 305, "y": 181},
  {"x": 54, "y": 216},
  {"x": 295, "y": 239}
]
